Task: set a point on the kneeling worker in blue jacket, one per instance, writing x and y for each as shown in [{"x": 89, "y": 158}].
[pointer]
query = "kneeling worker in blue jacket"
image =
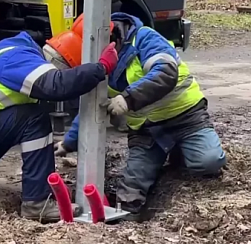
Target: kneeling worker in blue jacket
[
  {"x": 28, "y": 74},
  {"x": 164, "y": 107}
]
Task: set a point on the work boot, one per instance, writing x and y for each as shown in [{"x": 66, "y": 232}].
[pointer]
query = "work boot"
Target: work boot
[
  {"x": 138, "y": 213},
  {"x": 123, "y": 128},
  {"x": 45, "y": 211}
]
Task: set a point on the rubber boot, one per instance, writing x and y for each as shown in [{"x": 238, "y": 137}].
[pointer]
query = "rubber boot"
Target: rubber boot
[
  {"x": 45, "y": 211},
  {"x": 138, "y": 213}
]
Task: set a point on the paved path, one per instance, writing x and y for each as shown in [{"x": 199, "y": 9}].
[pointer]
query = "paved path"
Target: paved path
[{"x": 223, "y": 74}]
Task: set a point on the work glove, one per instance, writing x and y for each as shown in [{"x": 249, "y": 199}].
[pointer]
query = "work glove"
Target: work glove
[
  {"x": 109, "y": 58},
  {"x": 59, "y": 149},
  {"x": 117, "y": 105}
]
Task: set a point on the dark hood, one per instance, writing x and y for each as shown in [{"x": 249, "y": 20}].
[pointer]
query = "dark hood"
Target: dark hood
[{"x": 127, "y": 24}]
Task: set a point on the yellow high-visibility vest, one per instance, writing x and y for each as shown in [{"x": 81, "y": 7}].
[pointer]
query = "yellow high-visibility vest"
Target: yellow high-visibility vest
[
  {"x": 9, "y": 97},
  {"x": 185, "y": 95}
]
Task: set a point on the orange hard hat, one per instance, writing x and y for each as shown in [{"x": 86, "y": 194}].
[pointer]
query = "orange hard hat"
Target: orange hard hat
[
  {"x": 69, "y": 45},
  {"x": 77, "y": 26}
]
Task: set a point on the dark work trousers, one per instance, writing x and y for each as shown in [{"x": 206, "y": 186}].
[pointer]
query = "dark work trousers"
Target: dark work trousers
[
  {"x": 201, "y": 151},
  {"x": 30, "y": 126}
]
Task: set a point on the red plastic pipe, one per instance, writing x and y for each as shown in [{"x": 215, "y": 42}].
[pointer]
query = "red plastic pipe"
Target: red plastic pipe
[
  {"x": 106, "y": 202},
  {"x": 62, "y": 195},
  {"x": 95, "y": 202}
]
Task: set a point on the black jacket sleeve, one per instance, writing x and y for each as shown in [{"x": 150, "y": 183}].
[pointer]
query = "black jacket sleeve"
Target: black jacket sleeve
[{"x": 61, "y": 85}]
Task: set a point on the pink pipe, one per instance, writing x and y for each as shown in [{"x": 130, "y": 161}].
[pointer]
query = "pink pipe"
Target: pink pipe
[
  {"x": 62, "y": 195},
  {"x": 95, "y": 202},
  {"x": 106, "y": 202}
]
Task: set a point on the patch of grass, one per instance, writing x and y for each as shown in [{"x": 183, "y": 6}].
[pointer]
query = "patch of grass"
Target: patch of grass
[
  {"x": 222, "y": 20},
  {"x": 215, "y": 29},
  {"x": 216, "y": 4},
  {"x": 201, "y": 39}
]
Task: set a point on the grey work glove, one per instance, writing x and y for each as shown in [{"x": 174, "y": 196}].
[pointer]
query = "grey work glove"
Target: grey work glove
[
  {"x": 59, "y": 149},
  {"x": 116, "y": 105}
]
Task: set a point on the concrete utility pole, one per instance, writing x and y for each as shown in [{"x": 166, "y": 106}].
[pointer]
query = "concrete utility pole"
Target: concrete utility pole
[{"x": 92, "y": 128}]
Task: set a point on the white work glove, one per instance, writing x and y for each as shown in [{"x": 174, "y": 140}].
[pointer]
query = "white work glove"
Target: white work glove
[
  {"x": 59, "y": 150},
  {"x": 117, "y": 105}
]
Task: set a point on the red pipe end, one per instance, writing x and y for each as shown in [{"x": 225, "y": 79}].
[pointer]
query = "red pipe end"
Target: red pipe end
[
  {"x": 106, "y": 202},
  {"x": 62, "y": 195},
  {"x": 53, "y": 179},
  {"x": 95, "y": 202},
  {"x": 89, "y": 190}
]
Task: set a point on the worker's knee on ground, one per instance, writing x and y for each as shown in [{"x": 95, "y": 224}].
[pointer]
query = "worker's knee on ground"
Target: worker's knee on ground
[{"x": 208, "y": 162}]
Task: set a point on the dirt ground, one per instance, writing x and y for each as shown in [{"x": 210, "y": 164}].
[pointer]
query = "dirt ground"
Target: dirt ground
[
  {"x": 187, "y": 210},
  {"x": 217, "y": 23}
]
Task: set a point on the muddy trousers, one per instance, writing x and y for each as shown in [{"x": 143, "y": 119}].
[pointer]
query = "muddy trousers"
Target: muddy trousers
[
  {"x": 201, "y": 152},
  {"x": 30, "y": 127}
]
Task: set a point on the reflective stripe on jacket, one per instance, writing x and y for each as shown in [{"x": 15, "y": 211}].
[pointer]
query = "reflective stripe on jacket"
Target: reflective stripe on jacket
[
  {"x": 9, "y": 97},
  {"x": 185, "y": 95}
]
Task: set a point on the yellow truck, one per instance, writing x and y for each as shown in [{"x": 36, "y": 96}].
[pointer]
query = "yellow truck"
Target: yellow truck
[
  {"x": 40, "y": 18},
  {"x": 43, "y": 19}
]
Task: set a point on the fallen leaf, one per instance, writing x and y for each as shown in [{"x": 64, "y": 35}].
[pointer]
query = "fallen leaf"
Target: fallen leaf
[
  {"x": 191, "y": 229},
  {"x": 243, "y": 227}
]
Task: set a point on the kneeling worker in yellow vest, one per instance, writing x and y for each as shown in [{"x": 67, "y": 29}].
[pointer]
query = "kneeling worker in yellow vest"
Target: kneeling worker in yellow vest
[
  {"x": 164, "y": 107},
  {"x": 28, "y": 74}
]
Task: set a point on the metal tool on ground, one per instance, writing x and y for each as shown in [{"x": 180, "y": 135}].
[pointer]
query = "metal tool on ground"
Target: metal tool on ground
[{"x": 92, "y": 128}]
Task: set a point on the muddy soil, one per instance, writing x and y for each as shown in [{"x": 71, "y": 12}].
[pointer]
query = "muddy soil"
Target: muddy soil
[
  {"x": 217, "y": 23},
  {"x": 187, "y": 210}
]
